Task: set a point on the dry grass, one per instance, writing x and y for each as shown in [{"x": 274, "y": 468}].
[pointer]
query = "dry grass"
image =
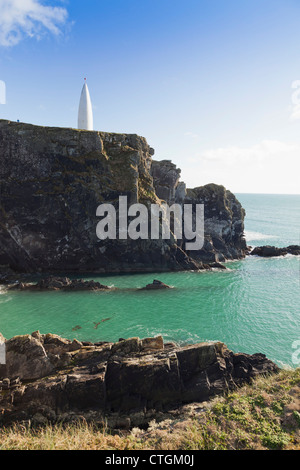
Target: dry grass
[{"x": 264, "y": 415}]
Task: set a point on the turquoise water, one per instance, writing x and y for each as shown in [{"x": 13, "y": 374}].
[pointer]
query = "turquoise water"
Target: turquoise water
[{"x": 252, "y": 307}]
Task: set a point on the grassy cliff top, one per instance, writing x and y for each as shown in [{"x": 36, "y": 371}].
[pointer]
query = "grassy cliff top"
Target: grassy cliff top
[
  {"x": 264, "y": 415},
  {"x": 29, "y": 126}
]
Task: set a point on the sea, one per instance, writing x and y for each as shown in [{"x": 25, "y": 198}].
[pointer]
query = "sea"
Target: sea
[{"x": 253, "y": 306}]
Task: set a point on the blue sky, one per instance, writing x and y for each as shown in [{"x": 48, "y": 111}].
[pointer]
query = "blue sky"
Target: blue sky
[{"x": 207, "y": 82}]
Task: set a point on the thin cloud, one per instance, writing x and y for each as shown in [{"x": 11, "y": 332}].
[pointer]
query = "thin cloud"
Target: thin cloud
[
  {"x": 191, "y": 135},
  {"x": 265, "y": 150},
  {"x": 269, "y": 166},
  {"x": 28, "y": 18}
]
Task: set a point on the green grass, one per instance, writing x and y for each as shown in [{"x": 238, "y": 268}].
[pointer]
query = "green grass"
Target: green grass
[{"x": 264, "y": 415}]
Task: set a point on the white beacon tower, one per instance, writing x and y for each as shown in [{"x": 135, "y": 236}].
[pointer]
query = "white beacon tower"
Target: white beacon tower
[{"x": 85, "y": 113}]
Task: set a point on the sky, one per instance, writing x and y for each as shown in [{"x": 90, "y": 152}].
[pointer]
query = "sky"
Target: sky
[{"x": 213, "y": 85}]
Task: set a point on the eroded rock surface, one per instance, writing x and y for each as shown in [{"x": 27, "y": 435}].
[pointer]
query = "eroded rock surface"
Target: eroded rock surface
[
  {"x": 223, "y": 214},
  {"x": 48, "y": 378},
  {"x": 52, "y": 181}
]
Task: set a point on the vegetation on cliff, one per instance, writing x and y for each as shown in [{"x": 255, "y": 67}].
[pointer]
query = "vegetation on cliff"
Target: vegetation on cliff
[{"x": 264, "y": 415}]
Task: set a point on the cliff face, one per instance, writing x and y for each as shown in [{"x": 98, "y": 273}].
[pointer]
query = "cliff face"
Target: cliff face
[
  {"x": 223, "y": 214},
  {"x": 224, "y": 223},
  {"x": 51, "y": 182}
]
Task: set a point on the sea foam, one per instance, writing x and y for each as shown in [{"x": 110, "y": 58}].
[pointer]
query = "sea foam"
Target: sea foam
[{"x": 253, "y": 236}]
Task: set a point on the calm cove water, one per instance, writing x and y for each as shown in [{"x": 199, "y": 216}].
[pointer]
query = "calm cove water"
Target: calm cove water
[{"x": 252, "y": 307}]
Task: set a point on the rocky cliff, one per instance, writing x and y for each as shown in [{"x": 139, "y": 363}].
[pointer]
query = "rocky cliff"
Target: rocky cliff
[
  {"x": 48, "y": 378},
  {"x": 52, "y": 180},
  {"x": 223, "y": 214}
]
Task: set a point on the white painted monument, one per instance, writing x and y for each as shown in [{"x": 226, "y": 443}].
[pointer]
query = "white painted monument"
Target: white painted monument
[{"x": 85, "y": 113}]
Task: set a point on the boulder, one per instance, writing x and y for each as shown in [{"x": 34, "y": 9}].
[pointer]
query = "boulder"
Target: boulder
[
  {"x": 150, "y": 344},
  {"x": 127, "y": 346},
  {"x": 26, "y": 358},
  {"x": 56, "y": 345}
]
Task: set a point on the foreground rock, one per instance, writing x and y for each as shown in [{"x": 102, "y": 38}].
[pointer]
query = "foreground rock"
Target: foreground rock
[
  {"x": 270, "y": 251},
  {"x": 60, "y": 283},
  {"x": 48, "y": 378}
]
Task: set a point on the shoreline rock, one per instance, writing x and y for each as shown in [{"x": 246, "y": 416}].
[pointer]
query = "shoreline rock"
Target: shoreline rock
[
  {"x": 60, "y": 283},
  {"x": 19, "y": 281},
  {"x": 268, "y": 251},
  {"x": 50, "y": 379}
]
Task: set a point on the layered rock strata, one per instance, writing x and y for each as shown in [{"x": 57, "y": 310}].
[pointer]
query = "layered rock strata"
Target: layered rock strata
[
  {"x": 48, "y": 378},
  {"x": 223, "y": 213},
  {"x": 52, "y": 180}
]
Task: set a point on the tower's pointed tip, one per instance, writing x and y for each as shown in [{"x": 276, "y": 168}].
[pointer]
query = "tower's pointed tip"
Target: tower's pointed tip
[{"x": 85, "y": 113}]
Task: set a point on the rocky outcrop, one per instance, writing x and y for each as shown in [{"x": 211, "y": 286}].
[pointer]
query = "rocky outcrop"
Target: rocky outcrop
[
  {"x": 52, "y": 180},
  {"x": 48, "y": 378},
  {"x": 224, "y": 223},
  {"x": 156, "y": 285},
  {"x": 60, "y": 283},
  {"x": 27, "y": 359},
  {"x": 166, "y": 177},
  {"x": 270, "y": 251},
  {"x": 223, "y": 214}
]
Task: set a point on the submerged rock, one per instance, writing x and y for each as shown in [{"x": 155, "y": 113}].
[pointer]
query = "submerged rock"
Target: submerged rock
[
  {"x": 270, "y": 251},
  {"x": 156, "y": 285},
  {"x": 132, "y": 377}
]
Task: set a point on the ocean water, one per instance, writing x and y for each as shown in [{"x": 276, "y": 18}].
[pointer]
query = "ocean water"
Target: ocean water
[{"x": 252, "y": 307}]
